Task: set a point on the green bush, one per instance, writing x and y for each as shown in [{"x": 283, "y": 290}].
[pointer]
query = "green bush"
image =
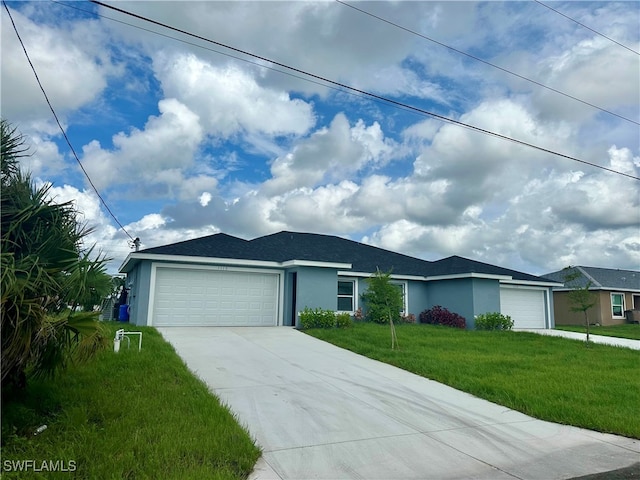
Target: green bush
[
  {"x": 343, "y": 320},
  {"x": 493, "y": 321},
  {"x": 319, "y": 318},
  {"x": 383, "y": 300}
]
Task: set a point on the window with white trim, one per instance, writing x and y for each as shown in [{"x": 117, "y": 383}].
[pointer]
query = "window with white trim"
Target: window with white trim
[
  {"x": 403, "y": 289},
  {"x": 617, "y": 305},
  {"x": 346, "y": 295}
]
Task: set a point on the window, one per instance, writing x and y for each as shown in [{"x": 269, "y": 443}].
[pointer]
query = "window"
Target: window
[
  {"x": 617, "y": 304},
  {"x": 402, "y": 286},
  {"x": 346, "y": 289}
]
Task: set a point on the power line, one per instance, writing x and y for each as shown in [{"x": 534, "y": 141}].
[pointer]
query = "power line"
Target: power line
[
  {"x": 522, "y": 77},
  {"x": 64, "y": 134},
  {"x": 364, "y": 92},
  {"x": 587, "y": 27}
]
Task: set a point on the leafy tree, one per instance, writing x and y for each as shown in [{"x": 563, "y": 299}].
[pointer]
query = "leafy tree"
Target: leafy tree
[
  {"x": 45, "y": 275},
  {"x": 384, "y": 302},
  {"x": 580, "y": 297}
]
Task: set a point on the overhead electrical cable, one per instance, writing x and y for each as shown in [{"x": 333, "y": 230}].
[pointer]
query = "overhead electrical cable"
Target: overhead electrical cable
[
  {"x": 64, "y": 134},
  {"x": 364, "y": 92},
  {"x": 587, "y": 27},
  {"x": 478, "y": 59}
]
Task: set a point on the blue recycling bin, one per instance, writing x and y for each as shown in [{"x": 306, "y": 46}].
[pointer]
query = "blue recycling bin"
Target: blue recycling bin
[{"x": 123, "y": 313}]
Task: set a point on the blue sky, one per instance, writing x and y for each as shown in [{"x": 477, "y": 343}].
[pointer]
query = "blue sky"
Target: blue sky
[{"x": 182, "y": 141}]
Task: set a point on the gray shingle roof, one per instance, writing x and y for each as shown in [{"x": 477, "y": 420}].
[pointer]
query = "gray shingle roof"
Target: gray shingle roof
[
  {"x": 601, "y": 278},
  {"x": 456, "y": 265},
  {"x": 284, "y": 246}
]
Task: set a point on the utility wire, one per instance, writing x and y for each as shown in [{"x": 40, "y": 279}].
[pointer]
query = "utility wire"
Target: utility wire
[
  {"x": 587, "y": 27},
  {"x": 364, "y": 92},
  {"x": 64, "y": 134},
  {"x": 522, "y": 77}
]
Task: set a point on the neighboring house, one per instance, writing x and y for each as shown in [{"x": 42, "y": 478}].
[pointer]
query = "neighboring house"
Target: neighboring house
[
  {"x": 616, "y": 292},
  {"x": 224, "y": 280}
]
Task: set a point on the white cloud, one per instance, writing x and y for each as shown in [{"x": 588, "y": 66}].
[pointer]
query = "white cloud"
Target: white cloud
[
  {"x": 44, "y": 158},
  {"x": 329, "y": 154},
  {"x": 595, "y": 70},
  {"x": 153, "y": 161},
  {"x": 229, "y": 100},
  {"x": 73, "y": 72},
  {"x": 204, "y": 199},
  {"x": 325, "y": 208}
]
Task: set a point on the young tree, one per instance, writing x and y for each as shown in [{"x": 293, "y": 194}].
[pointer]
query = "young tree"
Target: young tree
[
  {"x": 580, "y": 297},
  {"x": 45, "y": 275},
  {"x": 384, "y": 302}
]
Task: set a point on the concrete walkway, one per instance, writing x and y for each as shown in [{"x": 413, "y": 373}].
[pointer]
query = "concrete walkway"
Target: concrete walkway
[
  {"x": 321, "y": 412},
  {"x": 605, "y": 340}
]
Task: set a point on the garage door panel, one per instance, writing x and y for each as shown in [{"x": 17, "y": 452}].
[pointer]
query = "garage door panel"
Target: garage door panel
[
  {"x": 526, "y": 307},
  {"x": 186, "y": 296}
]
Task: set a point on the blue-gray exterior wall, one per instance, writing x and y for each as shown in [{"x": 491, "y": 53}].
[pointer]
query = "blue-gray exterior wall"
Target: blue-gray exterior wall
[
  {"x": 465, "y": 296},
  {"x": 417, "y": 294},
  {"x": 486, "y": 298},
  {"x": 455, "y": 295},
  {"x": 139, "y": 280},
  {"x": 316, "y": 288}
]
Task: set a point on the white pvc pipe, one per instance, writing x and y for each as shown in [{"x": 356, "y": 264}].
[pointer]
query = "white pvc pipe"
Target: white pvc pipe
[{"x": 121, "y": 334}]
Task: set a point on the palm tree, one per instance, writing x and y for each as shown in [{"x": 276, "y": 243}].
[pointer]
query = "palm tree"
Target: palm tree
[{"x": 45, "y": 275}]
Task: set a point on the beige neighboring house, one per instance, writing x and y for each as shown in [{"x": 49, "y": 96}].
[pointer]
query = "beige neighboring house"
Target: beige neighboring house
[{"x": 617, "y": 295}]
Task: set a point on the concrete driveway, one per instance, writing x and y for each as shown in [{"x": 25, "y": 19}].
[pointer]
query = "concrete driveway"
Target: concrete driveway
[{"x": 322, "y": 412}]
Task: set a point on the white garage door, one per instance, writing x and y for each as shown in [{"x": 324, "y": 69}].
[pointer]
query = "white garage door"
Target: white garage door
[
  {"x": 524, "y": 306},
  {"x": 189, "y": 296}
]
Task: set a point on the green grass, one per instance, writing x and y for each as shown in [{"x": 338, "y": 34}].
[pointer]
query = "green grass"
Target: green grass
[
  {"x": 127, "y": 415},
  {"x": 564, "y": 381},
  {"x": 626, "y": 330}
]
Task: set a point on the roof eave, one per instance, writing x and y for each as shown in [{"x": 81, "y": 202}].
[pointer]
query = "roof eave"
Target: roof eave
[
  {"x": 457, "y": 276},
  {"x": 314, "y": 263},
  {"x": 608, "y": 289},
  {"x": 542, "y": 283},
  {"x": 134, "y": 258}
]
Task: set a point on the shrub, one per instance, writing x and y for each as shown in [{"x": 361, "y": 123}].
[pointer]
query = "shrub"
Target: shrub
[
  {"x": 319, "y": 318},
  {"x": 409, "y": 318},
  {"x": 383, "y": 299},
  {"x": 343, "y": 320},
  {"x": 441, "y": 316},
  {"x": 493, "y": 321}
]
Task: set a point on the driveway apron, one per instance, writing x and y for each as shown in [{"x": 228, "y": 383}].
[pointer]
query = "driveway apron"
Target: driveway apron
[{"x": 322, "y": 412}]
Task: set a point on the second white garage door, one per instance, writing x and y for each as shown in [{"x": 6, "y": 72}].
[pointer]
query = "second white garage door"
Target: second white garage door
[
  {"x": 189, "y": 296},
  {"x": 525, "y": 306}
]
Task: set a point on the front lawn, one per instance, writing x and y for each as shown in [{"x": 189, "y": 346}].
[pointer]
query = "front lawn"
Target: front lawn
[
  {"x": 626, "y": 330},
  {"x": 126, "y": 415},
  {"x": 551, "y": 378}
]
